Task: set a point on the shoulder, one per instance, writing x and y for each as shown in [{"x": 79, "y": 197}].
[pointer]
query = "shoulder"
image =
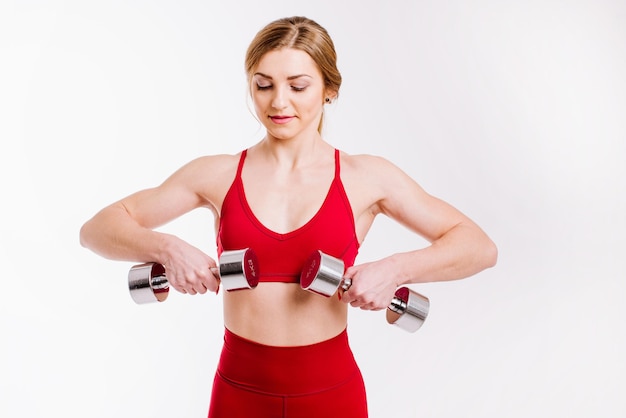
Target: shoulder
[
  {"x": 208, "y": 168},
  {"x": 361, "y": 161},
  {"x": 373, "y": 182},
  {"x": 208, "y": 177},
  {"x": 217, "y": 161},
  {"x": 371, "y": 168}
]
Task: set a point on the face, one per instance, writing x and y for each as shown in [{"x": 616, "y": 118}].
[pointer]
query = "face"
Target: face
[{"x": 288, "y": 92}]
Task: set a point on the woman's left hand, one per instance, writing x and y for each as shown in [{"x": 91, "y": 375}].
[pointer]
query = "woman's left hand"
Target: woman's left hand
[{"x": 373, "y": 285}]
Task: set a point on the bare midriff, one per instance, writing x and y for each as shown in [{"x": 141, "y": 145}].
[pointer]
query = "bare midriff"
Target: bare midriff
[{"x": 282, "y": 314}]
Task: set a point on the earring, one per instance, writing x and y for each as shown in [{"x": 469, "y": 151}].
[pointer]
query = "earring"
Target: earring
[{"x": 327, "y": 100}]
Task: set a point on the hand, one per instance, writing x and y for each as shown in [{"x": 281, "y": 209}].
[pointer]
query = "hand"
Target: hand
[
  {"x": 189, "y": 270},
  {"x": 373, "y": 285}
]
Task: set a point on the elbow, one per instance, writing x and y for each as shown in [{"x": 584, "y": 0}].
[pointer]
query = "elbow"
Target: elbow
[
  {"x": 84, "y": 236},
  {"x": 490, "y": 254}
]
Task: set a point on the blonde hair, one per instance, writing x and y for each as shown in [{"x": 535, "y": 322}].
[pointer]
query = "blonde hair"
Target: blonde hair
[{"x": 298, "y": 33}]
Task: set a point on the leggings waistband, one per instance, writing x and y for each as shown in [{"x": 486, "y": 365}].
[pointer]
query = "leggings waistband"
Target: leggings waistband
[{"x": 286, "y": 370}]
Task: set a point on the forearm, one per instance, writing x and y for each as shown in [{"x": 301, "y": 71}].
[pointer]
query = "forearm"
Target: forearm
[
  {"x": 113, "y": 234},
  {"x": 462, "y": 252}
]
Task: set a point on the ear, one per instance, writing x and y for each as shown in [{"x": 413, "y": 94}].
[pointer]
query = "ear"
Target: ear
[{"x": 330, "y": 96}]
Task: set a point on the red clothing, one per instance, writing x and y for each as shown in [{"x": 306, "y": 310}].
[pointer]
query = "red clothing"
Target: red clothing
[
  {"x": 318, "y": 380},
  {"x": 313, "y": 381},
  {"x": 282, "y": 256}
]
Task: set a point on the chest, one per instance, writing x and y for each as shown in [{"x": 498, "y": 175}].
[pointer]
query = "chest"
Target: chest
[
  {"x": 284, "y": 225},
  {"x": 284, "y": 203}
]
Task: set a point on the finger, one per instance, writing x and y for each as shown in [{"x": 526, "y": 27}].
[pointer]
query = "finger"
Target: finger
[
  {"x": 200, "y": 288},
  {"x": 356, "y": 304},
  {"x": 203, "y": 282},
  {"x": 353, "y": 300},
  {"x": 371, "y": 307},
  {"x": 213, "y": 283},
  {"x": 216, "y": 274},
  {"x": 345, "y": 296},
  {"x": 180, "y": 287},
  {"x": 193, "y": 286}
]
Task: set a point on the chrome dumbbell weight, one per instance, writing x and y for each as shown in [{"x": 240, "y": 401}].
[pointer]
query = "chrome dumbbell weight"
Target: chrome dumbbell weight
[
  {"x": 238, "y": 269},
  {"x": 323, "y": 274}
]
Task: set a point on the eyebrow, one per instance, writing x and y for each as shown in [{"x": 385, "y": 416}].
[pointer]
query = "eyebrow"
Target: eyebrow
[{"x": 291, "y": 77}]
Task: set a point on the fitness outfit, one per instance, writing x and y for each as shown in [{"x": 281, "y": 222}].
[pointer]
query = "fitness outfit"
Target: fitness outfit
[
  {"x": 281, "y": 256},
  {"x": 260, "y": 381},
  {"x": 317, "y": 380}
]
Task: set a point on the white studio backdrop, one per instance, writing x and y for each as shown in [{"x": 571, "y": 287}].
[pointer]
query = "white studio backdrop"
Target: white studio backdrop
[{"x": 514, "y": 112}]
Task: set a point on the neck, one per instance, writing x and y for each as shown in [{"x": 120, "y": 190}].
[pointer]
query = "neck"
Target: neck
[{"x": 293, "y": 152}]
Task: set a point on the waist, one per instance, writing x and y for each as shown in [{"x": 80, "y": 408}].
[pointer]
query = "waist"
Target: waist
[
  {"x": 286, "y": 370},
  {"x": 282, "y": 314}
]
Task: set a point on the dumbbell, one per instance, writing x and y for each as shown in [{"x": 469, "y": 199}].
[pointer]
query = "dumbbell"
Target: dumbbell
[
  {"x": 323, "y": 274},
  {"x": 238, "y": 269}
]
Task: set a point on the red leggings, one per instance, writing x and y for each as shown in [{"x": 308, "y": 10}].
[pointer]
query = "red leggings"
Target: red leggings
[{"x": 256, "y": 380}]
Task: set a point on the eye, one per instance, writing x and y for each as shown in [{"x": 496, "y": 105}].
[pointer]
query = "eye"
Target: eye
[
  {"x": 298, "y": 88},
  {"x": 263, "y": 86}
]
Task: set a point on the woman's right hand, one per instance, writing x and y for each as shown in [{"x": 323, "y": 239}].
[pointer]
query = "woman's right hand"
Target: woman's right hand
[{"x": 189, "y": 270}]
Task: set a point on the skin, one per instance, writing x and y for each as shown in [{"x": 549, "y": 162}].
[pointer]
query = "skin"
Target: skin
[{"x": 286, "y": 177}]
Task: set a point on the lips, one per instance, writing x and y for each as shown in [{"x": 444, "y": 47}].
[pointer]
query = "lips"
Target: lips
[{"x": 281, "y": 120}]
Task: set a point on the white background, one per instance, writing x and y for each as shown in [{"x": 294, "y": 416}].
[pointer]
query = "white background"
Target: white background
[{"x": 514, "y": 112}]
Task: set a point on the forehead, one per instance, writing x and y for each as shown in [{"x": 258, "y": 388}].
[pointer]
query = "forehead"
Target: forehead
[{"x": 286, "y": 62}]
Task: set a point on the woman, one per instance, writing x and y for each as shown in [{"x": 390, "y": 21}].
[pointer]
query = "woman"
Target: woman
[{"x": 285, "y": 197}]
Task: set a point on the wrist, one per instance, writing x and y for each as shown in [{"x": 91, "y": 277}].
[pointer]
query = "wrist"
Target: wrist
[
  {"x": 164, "y": 246},
  {"x": 397, "y": 265}
]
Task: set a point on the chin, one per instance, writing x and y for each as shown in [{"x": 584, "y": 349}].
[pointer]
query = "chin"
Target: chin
[{"x": 282, "y": 134}]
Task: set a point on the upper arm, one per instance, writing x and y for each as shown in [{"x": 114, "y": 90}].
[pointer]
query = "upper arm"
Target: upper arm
[
  {"x": 404, "y": 200},
  {"x": 194, "y": 185}
]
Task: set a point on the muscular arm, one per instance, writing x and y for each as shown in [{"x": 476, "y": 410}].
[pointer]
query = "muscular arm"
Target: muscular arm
[
  {"x": 458, "y": 247},
  {"x": 125, "y": 229}
]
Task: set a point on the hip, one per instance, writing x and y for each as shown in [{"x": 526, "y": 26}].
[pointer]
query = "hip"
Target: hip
[{"x": 287, "y": 370}]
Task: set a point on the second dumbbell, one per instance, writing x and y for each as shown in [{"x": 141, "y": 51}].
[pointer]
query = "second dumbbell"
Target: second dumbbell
[{"x": 323, "y": 274}]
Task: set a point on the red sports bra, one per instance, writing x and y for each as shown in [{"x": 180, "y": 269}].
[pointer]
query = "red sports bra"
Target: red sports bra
[{"x": 282, "y": 256}]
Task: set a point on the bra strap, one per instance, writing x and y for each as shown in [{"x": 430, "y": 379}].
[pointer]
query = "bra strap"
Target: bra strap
[{"x": 240, "y": 166}]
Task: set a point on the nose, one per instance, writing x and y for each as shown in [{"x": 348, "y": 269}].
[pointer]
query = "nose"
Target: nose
[{"x": 279, "y": 100}]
